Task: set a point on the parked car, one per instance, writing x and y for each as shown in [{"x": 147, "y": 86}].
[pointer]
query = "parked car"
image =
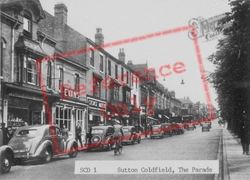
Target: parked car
[
  {"x": 41, "y": 142},
  {"x": 157, "y": 131},
  {"x": 178, "y": 128},
  {"x": 131, "y": 136},
  {"x": 190, "y": 126},
  {"x": 205, "y": 127},
  {"x": 167, "y": 128},
  {"x": 101, "y": 138}
]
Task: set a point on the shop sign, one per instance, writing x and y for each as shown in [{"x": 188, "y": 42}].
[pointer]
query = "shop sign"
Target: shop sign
[
  {"x": 97, "y": 104},
  {"x": 71, "y": 93}
]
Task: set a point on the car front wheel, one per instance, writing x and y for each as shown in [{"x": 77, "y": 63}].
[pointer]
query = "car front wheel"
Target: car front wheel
[
  {"x": 73, "y": 152},
  {"x": 48, "y": 155},
  {"x": 5, "y": 162}
]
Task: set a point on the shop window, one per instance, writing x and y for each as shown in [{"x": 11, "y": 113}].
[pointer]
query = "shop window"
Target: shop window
[
  {"x": 49, "y": 75},
  {"x": 29, "y": 71},
  {"x": 63, "y": 116},
  {"x": 61, "y": 76},
  {"x": 101, "y": 63},
  {"x": 92, "y": 60},
  {"x": 77, "y": 82},
  {"x": 80, "y": 117}
]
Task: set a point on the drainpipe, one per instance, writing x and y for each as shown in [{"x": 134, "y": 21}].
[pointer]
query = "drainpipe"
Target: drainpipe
[{"x": 12, "y": 51}]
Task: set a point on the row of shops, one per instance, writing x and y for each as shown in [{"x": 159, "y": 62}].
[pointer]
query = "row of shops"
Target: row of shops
[{"x": 23, "y": 104}]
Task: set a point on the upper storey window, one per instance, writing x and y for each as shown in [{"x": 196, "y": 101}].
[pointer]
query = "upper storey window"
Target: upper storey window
[{"x": 27, "y": 23}]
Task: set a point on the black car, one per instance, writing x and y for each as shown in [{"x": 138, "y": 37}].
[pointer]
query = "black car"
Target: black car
[
  {"x": 130, "y": 135},
  {"x": 178, "y": 128},
  {"x": 101, "y": 138}
]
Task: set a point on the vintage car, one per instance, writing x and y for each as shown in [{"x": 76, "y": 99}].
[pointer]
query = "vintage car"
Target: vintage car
[
  {"x": 130, "y": 135},
  {"x": 205, "y": 127},
  {"x": 190, "y": 126},
  {"x": 101, "y": 138},
  {"x": 41, "y": 142},
  {"x": 167, "y": 128},
  {"x": 157, "y": 131},
  {"x": 177, "y": 128}
]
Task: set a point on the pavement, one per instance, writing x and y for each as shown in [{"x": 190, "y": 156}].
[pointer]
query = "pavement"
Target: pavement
[{"x": 236, "y": 166}]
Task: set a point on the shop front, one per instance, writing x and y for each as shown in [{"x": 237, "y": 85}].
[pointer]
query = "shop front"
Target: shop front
[
  {"x": 96, "y": 111},
  {"x": 22, "y": 106},
  {"x": 71, "y": 113}
]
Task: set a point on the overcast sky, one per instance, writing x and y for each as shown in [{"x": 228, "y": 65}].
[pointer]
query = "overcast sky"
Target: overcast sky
[{"x": 122, "y": 19}]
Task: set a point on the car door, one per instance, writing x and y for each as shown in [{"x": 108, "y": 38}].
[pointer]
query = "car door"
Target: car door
[{"x": 60, "y": 139}]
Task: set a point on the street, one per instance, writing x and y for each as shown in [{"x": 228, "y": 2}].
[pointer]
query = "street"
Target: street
[{"x": 192, "y": 145}]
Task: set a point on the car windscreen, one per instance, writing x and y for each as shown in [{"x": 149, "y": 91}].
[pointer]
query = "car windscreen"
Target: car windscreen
[
  {"x": 27, "y": 132},
  {"x": 156, "y": 127},
  {"x": 97, "y": 131}
]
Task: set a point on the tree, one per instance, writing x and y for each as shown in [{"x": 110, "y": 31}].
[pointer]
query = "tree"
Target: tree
[{"x": 231, "y": 77}]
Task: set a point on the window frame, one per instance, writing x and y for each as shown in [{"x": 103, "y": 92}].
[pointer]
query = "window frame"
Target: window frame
[
  {"x": 109, "y": 68},
  {"x": 101, "y": 63},
  {"x": 116, "y": 71},
  {"x": 77, "y": 82},
  {"x": 49, "y": 74},
  {"x": 27, "y": 23},
  {"x": 122, "y": 71},
  {"x": 33, "y": 70},
  {"x": 92, "y": 58},
  {"x": 61, "y": 77}
]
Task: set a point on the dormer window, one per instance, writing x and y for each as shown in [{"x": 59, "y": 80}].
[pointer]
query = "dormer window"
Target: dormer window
[{"x": 27, "y": 23}]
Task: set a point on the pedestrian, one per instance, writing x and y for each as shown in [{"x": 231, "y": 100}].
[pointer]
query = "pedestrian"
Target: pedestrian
[
  {"x": 79, "y": 133},
  {"x": 89, "y": 135},
  {"x": 65, "y": 132},
  {"x": 245, "y": 134}
]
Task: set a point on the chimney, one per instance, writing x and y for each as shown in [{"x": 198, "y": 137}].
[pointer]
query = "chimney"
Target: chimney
[
  {"x": 61, "y": 11},
  {"x": 59, "y": 24},
  {"x": 99, "y": 38},
  {"x": 130, "y": 62},
  {"x": 121, "y": 55},
  {"x": 172, "y": 93}
]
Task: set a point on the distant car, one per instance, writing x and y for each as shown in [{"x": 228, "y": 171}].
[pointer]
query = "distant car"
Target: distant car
[
  {"x": 205, "y": 127},
  {"x": 167, "y": 128},
  {"x": 209, "y": 123},
  {"x": 130, "y": 135},
  {"x": 157, "y": 131},
  {"x": 190, "y": 127},
  {"x": 101, "y": 138},
  {"x": 178, "y": 128},
  {"x": 41, "y": 142}
]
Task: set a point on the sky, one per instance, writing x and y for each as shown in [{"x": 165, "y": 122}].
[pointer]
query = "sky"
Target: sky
[{"x": 122, "y": 19}]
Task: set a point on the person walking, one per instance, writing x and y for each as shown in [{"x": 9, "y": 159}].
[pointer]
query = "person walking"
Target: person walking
[
  {"x": 245, "y": 134},
  {"x": 65, "y": 132},
  {"x": 79, "y": 133}
]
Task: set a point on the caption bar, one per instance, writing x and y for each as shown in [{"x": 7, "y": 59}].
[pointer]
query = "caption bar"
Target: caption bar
[{"x": 147, "y": 167}]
